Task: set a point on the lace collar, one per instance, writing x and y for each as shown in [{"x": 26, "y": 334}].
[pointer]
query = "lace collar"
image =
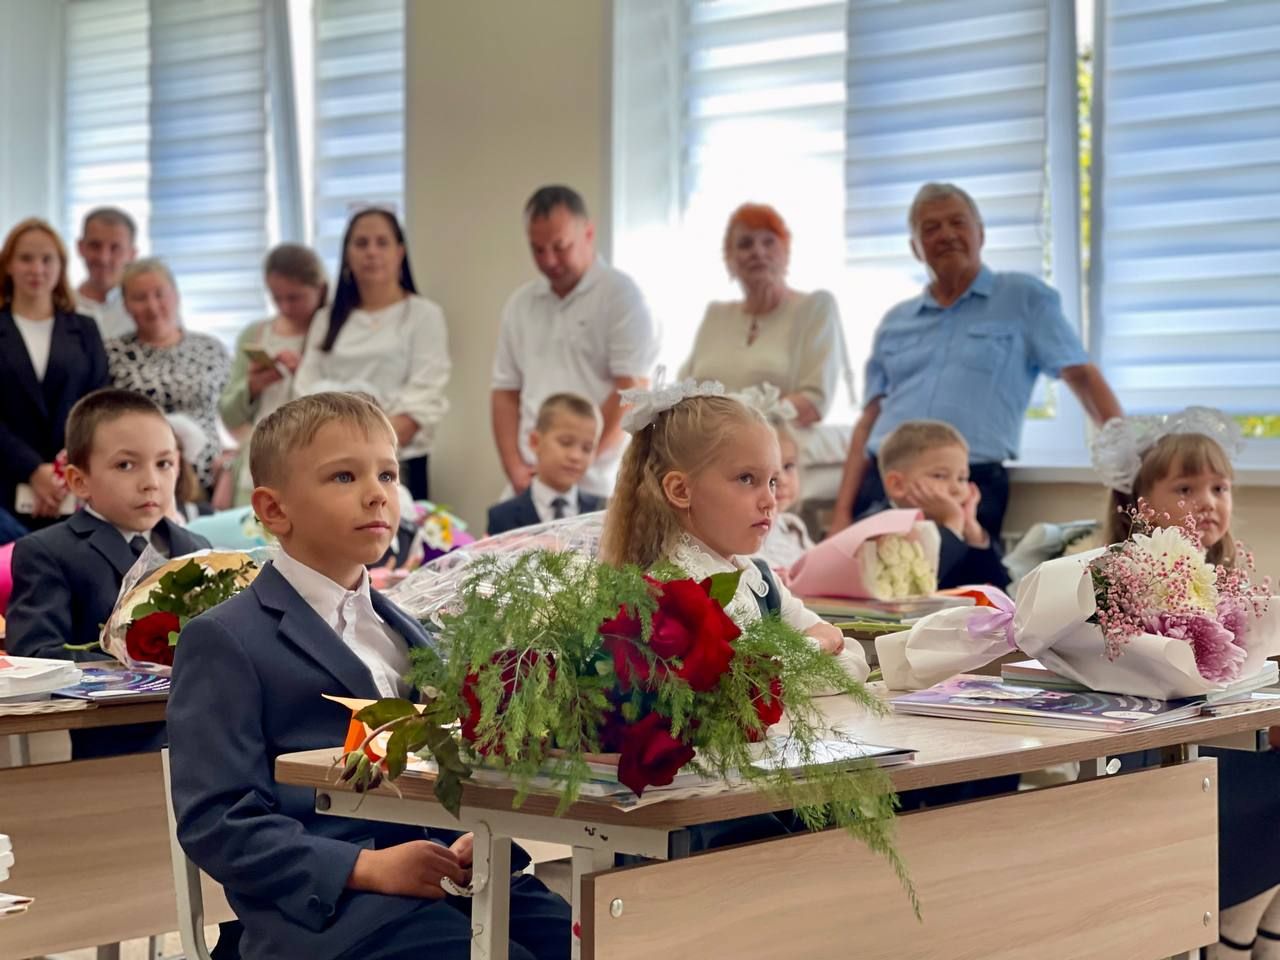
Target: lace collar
[{"x": 699, "y": 562}]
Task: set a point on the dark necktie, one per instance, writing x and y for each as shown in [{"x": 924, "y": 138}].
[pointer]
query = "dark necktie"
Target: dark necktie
[
  {"x": 558, "y": 506},
  {"x": 137, "y": 544}
]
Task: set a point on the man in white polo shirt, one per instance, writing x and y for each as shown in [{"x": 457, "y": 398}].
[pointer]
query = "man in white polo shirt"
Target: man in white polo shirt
[
  {"x": 106, "y": 246},
  {"x": 582, "y": 327}
]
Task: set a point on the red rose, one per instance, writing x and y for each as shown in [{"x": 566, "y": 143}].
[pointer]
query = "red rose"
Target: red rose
[
  {"x": 769, "y": 712},
  {"x": 513, "y": 668},
  {"x": 147, "y": 639},
  {"x": 629, "y": 663},
  {"x": 689, "y": 630},
  {"x": 651, "y": 756},
  {"x": 697, "y": 630}
]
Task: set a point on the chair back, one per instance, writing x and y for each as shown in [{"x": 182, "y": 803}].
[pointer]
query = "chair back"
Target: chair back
[{"x": 186, "y": 882}]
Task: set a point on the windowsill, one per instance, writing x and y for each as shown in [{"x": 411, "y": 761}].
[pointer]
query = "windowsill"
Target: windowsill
[{"x": 1026, "y": 472}]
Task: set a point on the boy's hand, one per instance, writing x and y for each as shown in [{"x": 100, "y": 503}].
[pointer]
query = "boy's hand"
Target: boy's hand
[
  {"x": 830, "y": 639},
  {"x": 412, "y": 869},
  {"x": 936, "y": 505},
  {"x": 975, "y": 535}
]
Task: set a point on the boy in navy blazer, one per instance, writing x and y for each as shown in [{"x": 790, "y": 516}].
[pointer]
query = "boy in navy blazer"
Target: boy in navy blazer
[
  {"x": 248, "y": 680},
  {"x": 564, "y": 441},
  {"x": 122, "y": 461}
]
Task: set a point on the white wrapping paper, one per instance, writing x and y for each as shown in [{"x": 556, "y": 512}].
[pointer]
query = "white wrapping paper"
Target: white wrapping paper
[{"x": 1054, "y": 604}]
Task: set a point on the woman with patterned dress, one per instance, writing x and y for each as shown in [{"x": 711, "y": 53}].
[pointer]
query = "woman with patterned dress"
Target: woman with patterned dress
[{"x": 182, "y": 371}]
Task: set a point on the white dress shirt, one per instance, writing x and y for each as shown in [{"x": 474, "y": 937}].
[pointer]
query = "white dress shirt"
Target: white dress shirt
[
  {"x": 350, "y": 614},
  {"x": 110, "y": 315},
  {"x": 544, "y": 500},
  {"x": 127, "y": 534},
  {"x": 579, "y": 343},
  {"x": 399, "y": 354},
  {"x": 38, "y": 336}
]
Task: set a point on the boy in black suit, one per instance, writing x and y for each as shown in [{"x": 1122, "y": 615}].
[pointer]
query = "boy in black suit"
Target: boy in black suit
[
  {"x": 925, "y": 464},
  {"x": 122, "y": 460},
  {"x": 564, "y": 442},
  {"x": 248, "y": 683}
]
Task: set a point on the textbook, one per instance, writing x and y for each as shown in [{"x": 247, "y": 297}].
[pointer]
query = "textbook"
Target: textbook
[
  {"x": 604, "y": 784},
  {"x": 30, "y": 678},
  {"x": 972, "y": 697},
  {"x": 891, "y": 611},
  {"x": 1036, "y": 673},
  {"x": 99, "y": 685}
]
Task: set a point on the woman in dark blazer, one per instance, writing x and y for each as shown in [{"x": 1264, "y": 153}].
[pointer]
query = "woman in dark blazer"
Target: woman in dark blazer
[{"x": 50, "y": 357}]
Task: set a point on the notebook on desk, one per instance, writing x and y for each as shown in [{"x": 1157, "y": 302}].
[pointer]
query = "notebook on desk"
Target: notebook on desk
[
  {"x": 101, "y": 685},
  {"x": 972, "y": 697},
  {"x": 844, "y": 608}
]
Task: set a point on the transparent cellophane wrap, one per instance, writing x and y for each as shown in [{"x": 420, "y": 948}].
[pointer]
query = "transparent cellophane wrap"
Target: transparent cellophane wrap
[
  {"x": 144, "y": 576},
  {"x": 435, "y": 587},
  {"x": 1049, "y": 623}
]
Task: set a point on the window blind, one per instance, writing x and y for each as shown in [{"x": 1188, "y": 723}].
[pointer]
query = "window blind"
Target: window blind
[
  {"x": 947, "y": 90},
  {"x": 359, "y": 111},
  {"x": 762, "y": 120},
  {"x": 208, "y": 184},
  {"x": 1186, "y": 255},
  {"x": 106, "y": 123}
]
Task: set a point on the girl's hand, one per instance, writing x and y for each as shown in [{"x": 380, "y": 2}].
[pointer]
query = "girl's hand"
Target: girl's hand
[
  {"x": 261, "y": 377},
  {"x": 289, "y": 359},
  {"x": 830, "y": 639}
]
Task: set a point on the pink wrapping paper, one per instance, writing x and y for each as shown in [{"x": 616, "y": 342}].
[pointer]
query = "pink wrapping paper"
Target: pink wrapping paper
[{"x": 830, "y": 569}]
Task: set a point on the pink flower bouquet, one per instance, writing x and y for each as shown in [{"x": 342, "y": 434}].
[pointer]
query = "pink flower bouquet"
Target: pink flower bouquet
[{"x": 1147, "y": 617}]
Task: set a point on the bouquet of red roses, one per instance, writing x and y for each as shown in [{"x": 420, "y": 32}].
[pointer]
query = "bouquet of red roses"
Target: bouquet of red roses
[
  {"x": 155, "y": 603},
  {"x": 549, "y": 663}
]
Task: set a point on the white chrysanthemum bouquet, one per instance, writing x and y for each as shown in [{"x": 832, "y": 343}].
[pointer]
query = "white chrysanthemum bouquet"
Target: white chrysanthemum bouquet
[{"x": 890, "y": 556}]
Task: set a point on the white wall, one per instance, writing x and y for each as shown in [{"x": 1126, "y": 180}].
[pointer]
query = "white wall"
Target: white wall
[
  {"x": 30, "y": 110},
  {"x": 502, "y": 98}
]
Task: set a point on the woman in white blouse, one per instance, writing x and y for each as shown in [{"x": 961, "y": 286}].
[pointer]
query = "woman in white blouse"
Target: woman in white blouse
[
  {"x": 381, "y": 338},
  {"x": 774, "y": 334}
]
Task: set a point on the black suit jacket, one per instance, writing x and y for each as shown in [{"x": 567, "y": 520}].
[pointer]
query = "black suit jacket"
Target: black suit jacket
[
  {"x": 65, "y": 582},
  {"x": 33, "y": 413},
  {"x": 519, "y": 511}
]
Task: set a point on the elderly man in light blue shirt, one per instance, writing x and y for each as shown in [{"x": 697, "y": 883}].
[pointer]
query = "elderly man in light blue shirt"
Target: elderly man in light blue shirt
[{"x": 966, "y": 351}]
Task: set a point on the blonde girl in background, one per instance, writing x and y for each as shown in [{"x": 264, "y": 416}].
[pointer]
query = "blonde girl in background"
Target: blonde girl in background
[{"x": 698, "y": 490}]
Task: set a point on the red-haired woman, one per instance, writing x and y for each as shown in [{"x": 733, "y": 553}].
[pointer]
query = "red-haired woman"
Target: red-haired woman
[
  {"x": 50, "y": 357},
  {"x": 773, "y": 334}
]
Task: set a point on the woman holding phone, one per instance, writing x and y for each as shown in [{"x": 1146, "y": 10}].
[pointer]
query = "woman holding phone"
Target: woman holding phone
[
  {"x": 381, "y": 337},
  {"x": 268, "y": 352}
]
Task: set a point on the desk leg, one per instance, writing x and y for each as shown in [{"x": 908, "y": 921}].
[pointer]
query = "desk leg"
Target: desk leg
[
  {"x": 491, "y": 906},
  {"x": 19, "y": 750},
  {"x": 585, "y": 860}
]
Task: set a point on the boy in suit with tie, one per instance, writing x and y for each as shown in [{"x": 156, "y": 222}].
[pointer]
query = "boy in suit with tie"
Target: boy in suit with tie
[
  {"x": 248, "y": 680},
  {"x": 563, "y": 441},
  {"x": 122, "y": 461}
]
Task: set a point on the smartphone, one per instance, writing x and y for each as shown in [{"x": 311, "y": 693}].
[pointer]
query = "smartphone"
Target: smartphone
[{"x": 259, "y": 357}]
